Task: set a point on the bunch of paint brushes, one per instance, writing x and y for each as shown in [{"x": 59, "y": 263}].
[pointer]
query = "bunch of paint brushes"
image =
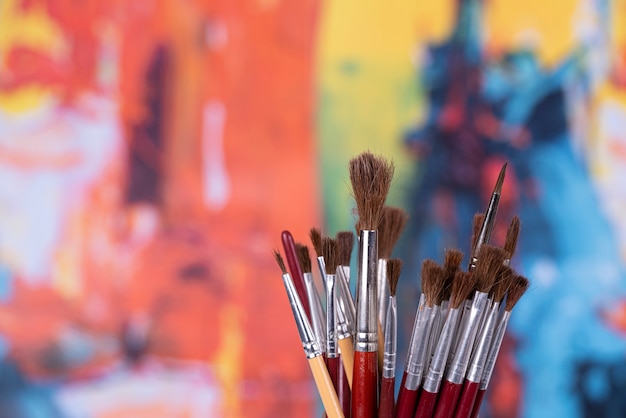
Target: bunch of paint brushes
[{"x": 351, "y": 344}]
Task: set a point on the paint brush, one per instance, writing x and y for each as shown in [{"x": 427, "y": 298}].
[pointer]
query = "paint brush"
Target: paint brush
[
  {"x": 481, "y": 349},
  {"x": 386, "y": 409},
  {"x": 292, "y": 260},
  {"x": 463, "y": 284},
  {"x": 477, "y": 224},
  {"x": 318, "y": 317},
  {"x": 370, "y": 177},
  {"x": 451, "y": 264},
  {"x": 316, "y": 239},
  {"x": 311, "y": 346},
  {"x": 433, "y": 277},
  {"x": 519, "y": 286},
  {"x": 510, "y": 242}
]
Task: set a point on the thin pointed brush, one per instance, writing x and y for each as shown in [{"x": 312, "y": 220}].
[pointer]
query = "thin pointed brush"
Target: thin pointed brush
[
  {"x": 296, "y": 272},
  {"x": 518, "y": 287},
  {"x": 318, "y": 317},
  {"x": 432, "y": 279},
  {"x": 490, "y": 217},
  {"x": 483, "y": 344},
  {"x": 510, "y": 242},
  {"x": 311, "y": 346},
  {"x": 316, "y": 240},
  {"x": 386, "y": 409},
  {"x": 370, "y": 177},
  {"x": 462, "y": 286}
]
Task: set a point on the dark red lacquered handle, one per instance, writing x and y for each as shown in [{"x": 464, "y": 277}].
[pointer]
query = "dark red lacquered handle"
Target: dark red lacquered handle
[
  {"x": 387, "y": 401},
  {"x": 344, "y": 393},
  {"x": 332, "y": 363},
  {"x": 479, "y": 400},
  {"x": 426, "y": 405},
  {"x": 407, "y": 402},
  {"x": 468, "y": 396},
  {"x": 448, "y": 398},
  {"x": 364, "y": 385},
  {"x": 296, "y": 272}
]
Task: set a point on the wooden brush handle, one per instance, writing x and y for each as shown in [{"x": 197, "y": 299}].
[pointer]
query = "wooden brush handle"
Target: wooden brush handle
[
  {"x": 347, "y": 357},
  {"x": 387, "y": 402},
  {"x": 381, "y": 349},
  {"x": 407, "y": 402},
  {"x": 468, "y": 396},
  {"x": 477, "y": 402},
  {"x": 365, "y": 384},
  {"x": 344, "y": 392},
  {"x": 325, "y": 388},
  {"x": 426, "y": 405},
  {"x": 448, "y": 399}
]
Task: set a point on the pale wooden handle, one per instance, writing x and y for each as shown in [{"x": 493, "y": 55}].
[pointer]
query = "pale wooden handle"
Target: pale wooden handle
[
  {"x": 325, "y": 388},
  {"x": 346, "y": 346},
  {"x": 381, "y": 349}
]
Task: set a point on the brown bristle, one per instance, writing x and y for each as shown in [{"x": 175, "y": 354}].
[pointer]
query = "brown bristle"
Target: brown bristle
[
  {"x": 477, "y": 223},
  {"x": 316, "y": 240},
  {"x": 431, "y": 274},
  {"x": 345, "y": 242},
  {"x": 303, "y": 257},
  {"x": 391, "y": 226},
  {"x": 489, "y": 262},
  {"x": 462, "y": 286},
  {"x": 439, "y": 284},
  {"x": 510, "y": 243},
  {"x": 394, "y": 267},
  {"x": 503, "y": 281},
  {"x": 498, "y": 187},
  {"x": 329, "y": 251},
  {"x": 279, "y": 260},
  {"x": 371, "y": 178},
  {"x": 518, "y": 287},
  {"x": 452, "y": 261}
]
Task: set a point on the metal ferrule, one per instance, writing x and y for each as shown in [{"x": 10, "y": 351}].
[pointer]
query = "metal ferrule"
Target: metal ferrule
[
  {"x": 391, "y": 330},
  {"x": 412, "y": 344},
  {"x": 437, "y": 323},
  {"x": 479, "y": 357},
  {"x": 465, "y": 314},
  {"x": 344, "y": 329},
  {"x": 366, "y": 333},
  {"x": 498, "y": 336},
  {"x": 415, "y": 369},
  {"x": 485, "y": 231},
  {"x": 309, "y": 342},
  {"x": 331, "y": 317},
  {"x": 346, "y": 303},
  {"x": 322, "y": 266},
  {"x": 383, "y": 292},
  {"x": 456, "y": 374},
  {"x": 438, "y": 362},
  {"x": 318, "y": 317}
]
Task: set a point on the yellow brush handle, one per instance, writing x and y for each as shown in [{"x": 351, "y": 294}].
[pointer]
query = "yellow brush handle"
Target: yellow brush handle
[
  {"x": 346, "y": 345},
  {"x": 325, "y": 388},
  {"x": 381, "y": 349}
]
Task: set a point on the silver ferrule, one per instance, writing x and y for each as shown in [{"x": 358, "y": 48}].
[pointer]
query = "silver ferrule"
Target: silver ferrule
[
  {"x": 346, "y": 303},
  {"x": 415, "y": 369},
  {"x": 366, "y": 333},
  {"x": 391, "y": 330},
  {"x": 456, "y": 374},
  {"x": 344, "y": 329},
  {"x": 481, "y": 350},
  {"x": 309, "y": 342},
  {"x": 412, "y": 343},
  {"x": 465, "y": 314},
  {"x": 437, "y": 323},
  {"x": 321, "y": 264},
  {"x": 383, "y": 292},
  {"x": 498, "y": 336},
  {"x": 438, "y": 362},
  {"x": 331, "y": 317},
  {"x": 318, "y": 317},
  {"x": 485, "y": 230}
]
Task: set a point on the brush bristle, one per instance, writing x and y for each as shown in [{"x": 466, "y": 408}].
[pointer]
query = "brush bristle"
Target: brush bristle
[
  {"x": 462, "y": 286},
  {"x": 432, "y": 274},
  {"x": 512, "y": 233},
  {"x": 489, "y": 262},
  {"x": 518, "y": 287},
  {"x": 498, "y": 187},
  {"x": 329, "y": 251},
  {"x": 502, "y": 284},
  {"x": 303, "y": 257},
  {"x": 394, "y": 267},
  {"x": 279, "y": 260},
  {"x": 371, "y": 178},
  {"x": 452, "y": 264},
  {"x": 391, "y": 226},
  {"x": 345, "y": 242},
  {"x": 477, "y": 223},
  {"x": 316, "y": 240}
]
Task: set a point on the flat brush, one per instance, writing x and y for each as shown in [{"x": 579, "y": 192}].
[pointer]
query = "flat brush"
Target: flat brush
[
  {"x": 311, "y": 346},
  {"x": 370, "y": 177},
  {"x": 386, "y": 409},
  {"x": 318, "y": 317},
  {"x": 296, "y": 272},
  {"x": 519, "y": 286},
  {"x": 489, "y": 263},
  {"x": 510, "y": 242},
  {"x": 462, "y": 286}
]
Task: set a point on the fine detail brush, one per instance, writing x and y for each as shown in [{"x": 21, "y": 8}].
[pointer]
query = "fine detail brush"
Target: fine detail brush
[
  {"x": 463, "y": 284},
  {"x": 519, "y": 286},
  {"x": 316, "y": 240},
  {"x": 296, "y": 272},
  {"x": 318, "y": 317},
  {"x": 510, "y": 242},
  {"x": 370, "y": 177},
  {"x": 311, "y": 346},
  {"x": 386, "y": 408}
]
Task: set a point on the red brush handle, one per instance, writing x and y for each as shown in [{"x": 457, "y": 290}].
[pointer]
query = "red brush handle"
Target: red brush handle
[
  {"x": 448, "y": 398},
  {"x": 407, "y": 401},
  {"x": 468, "y": 396},
  {"x": 426, "y": 405},
  {"x": 386, "y": 407},
  {"x": 296, "y": 272},
  {"x": 479, "y": 400},
  {"x": 364, "y": 384},
  {"x": 333, "y": 370},
  {"x": 344, "y": 393}
]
